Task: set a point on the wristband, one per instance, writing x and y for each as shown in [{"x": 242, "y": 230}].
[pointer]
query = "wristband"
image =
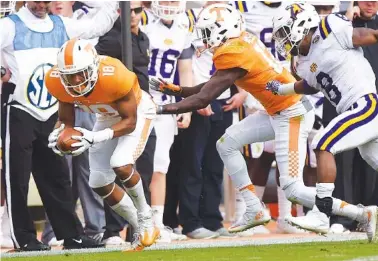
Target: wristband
[{"x": 287, "y": 89}]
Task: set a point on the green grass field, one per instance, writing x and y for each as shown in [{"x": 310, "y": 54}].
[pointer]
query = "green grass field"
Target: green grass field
[{"x": 308, "y": 252}]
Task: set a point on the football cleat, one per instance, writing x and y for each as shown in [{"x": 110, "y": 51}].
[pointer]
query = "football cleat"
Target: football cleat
[
  {"x": 250, "y": 219},
  {"x": 314, "y": 221},
  {"x": 371, "y": 223},
  {"x": 148, "y": 232}
]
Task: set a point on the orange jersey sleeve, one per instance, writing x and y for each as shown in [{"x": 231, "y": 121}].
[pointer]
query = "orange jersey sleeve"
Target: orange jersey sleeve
[
  {"x": 249, "y": 53},
  {"x": 115, "y": 80}
]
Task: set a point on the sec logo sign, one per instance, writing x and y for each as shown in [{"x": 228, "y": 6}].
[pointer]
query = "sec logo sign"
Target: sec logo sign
[{"x": 36, "y": 92}]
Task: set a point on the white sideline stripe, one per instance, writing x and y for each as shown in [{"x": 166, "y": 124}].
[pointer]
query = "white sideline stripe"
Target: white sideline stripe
[
  {"x": 202, "y": 244},
  {"x": 365, "y": 258},
  {"x": 7, "y": 175}
]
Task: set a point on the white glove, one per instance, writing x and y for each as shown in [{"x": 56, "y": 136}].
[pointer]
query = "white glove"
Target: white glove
[
  {"x": 277, "y": 88},
  {"x": 89, "y": 138},
  {"x": 53, "y": 137}
]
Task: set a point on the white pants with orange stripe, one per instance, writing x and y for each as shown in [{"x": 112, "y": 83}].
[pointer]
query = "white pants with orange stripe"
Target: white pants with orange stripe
[
  {"x": 121, "y": 151},
  {"x": 289, "y": 130},
  {"x": 355, "y": 128}
]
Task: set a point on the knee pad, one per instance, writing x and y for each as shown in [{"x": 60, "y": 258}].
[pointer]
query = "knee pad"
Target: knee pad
[
  {"x": 226, "y": 144},
  {"x": 98, "y": 179}
]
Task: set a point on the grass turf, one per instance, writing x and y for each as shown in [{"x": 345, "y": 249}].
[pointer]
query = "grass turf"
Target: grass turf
[{"x": 308, "y": 251}]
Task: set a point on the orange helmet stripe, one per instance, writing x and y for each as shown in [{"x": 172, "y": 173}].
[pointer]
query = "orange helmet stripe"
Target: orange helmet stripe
[{"x": 68, "y": 53}]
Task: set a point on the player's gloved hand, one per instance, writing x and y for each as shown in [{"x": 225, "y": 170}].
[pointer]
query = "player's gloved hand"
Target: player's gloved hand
[
  {"x": 53, "y": 137},
  {"x": 274, "y": 87},
  {"x": 160, "y": 85},
  {"x": 89, "y": 138}
]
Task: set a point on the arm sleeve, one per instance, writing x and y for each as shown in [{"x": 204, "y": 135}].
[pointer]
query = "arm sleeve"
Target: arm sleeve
[
  {"x": 341, "y": 27},
  {"x": 97, "y": 26},
  {"x": 7, "y": 33}
]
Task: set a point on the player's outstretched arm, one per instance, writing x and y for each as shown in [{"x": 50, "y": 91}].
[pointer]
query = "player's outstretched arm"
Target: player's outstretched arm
[
  {"x": 160, "y": 85},
  {"x": 221, "y": 80},
  {"x": 299, "y": 87},
  {"x": 364, "y": 37}
]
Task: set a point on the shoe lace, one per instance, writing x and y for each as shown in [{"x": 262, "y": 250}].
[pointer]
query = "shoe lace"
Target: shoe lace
[
  {"x": 135, "y": 240},
  {"x": 144, "y": 222},
  {"x": 362, "y": 226}
]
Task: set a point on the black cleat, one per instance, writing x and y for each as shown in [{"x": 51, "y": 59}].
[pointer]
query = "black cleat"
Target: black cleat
[
  {"x": 81, "y": 242},
  {"x": 34, "y": 245}
]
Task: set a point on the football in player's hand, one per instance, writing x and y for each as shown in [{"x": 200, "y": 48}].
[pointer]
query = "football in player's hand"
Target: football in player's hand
[{"x": 65, "y": 140}]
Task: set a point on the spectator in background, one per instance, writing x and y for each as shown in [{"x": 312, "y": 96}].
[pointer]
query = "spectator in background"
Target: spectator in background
[
  {"x": 30, "y": 40},
  {"x": 6, "y": 8},
  {"x": 170, "y": 34},
  {"x": 111, "y": 45},
  {"x": 91, "y": 202}
]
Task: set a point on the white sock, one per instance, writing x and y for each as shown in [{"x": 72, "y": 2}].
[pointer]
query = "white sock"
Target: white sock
[
  {"x": 137, "y": 195},
  {"x": 324, "y": 190},
  {"x": 284, "y": 205},
  {"x": 157, "y": 215},
  {"x": 126, "y": 209},
  {"x": 342, "y": 208},
  {"x": 250, "y": 198},
  {"x": 239, "y": 205},
  {"x": 260, "y": 191}
]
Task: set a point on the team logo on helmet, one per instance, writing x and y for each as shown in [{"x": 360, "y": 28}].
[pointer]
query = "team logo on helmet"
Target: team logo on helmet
[{"x": 295, "y": 9}]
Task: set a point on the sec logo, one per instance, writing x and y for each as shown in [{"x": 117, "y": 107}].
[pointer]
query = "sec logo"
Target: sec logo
[{"x": 36, "y": 92}]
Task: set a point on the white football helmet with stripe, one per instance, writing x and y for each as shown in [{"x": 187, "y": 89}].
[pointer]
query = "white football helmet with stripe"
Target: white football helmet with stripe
[
  {"x": 217, "y": 23},
  {"x": 291, "y": 25},
  {"x": 78, "y": 67}
]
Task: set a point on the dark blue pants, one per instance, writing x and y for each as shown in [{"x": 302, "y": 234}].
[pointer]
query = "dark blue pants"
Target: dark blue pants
[{"x": 201, "y": 172}]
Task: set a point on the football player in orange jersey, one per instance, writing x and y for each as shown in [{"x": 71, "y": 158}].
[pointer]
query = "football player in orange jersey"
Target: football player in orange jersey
[
  {"x": 242, "y": 58},
  {"x": 125, "y": 114}
]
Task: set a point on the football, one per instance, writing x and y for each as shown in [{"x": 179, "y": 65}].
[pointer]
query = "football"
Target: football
[{"x": 65, "y": 141}]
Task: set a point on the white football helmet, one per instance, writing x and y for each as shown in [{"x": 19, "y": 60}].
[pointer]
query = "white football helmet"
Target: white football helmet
[
  {"x": 291, "y": 25},
  {"x": 168, "y": 11},
  {"x": 7, "y": 8},
  {"x": 217, "y": 23},
  {"x": 333, "y": 3},
  {"x": 78, "y": 67}
]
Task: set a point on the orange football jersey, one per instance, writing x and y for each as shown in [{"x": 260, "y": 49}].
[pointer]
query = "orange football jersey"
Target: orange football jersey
[
  {"x": 249, "y": 53},
  {"x": 114, "y": 82}
]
